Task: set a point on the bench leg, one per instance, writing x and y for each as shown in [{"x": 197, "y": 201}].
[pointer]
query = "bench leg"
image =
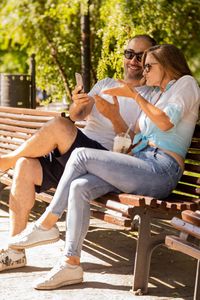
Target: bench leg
[
  {"x": 146, "y": 243},
  {"x": 197, "y": 282}
]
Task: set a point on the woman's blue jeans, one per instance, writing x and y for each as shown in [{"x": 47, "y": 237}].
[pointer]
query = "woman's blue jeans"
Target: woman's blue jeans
[{"x": 91, "y": 173}]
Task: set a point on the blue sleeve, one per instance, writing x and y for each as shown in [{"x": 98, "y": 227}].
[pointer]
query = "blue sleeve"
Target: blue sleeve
[{"x": 174, "y": 111}]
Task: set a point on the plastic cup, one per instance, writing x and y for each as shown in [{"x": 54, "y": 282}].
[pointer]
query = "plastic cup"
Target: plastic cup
[{"x": 122, "y": 143}]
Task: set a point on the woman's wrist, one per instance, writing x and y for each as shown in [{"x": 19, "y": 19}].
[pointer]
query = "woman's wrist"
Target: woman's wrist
[
  {"x": 139, "y": 99},
  {"x": 136, "y": 97}
]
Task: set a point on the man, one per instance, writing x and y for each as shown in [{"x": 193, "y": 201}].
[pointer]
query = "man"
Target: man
[{"x": 58, "y": 138}]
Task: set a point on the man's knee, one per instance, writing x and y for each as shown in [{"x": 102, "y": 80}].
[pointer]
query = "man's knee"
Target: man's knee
[
  {"x": 27, "y": 175},
  {"x": 28, "y": 169},
  {"x": 59, "y": 123}
]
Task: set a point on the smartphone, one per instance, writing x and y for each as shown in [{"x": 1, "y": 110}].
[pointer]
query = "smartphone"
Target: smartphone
[{"x": 79, "y": 81}]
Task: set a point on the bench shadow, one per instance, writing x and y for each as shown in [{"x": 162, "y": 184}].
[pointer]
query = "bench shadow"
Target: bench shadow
[
  {"x": 95, "y": 285},
  {"x": 27, "y": 269},
  {"x": 172, "y": 274}
]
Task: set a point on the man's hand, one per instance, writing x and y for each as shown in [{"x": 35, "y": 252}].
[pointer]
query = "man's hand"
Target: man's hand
[
  {"x": 107, "y": 109},
  {"x": 80, "y": 99},
  {"x": 81, "y": 106},
  {"x": 111, "y": 111}
]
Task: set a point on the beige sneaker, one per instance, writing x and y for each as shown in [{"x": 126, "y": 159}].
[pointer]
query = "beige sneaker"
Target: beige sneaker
[
  {"x": 33, "y": 236},
  {"x": 62, "y": 274},
  {"x": 12, "y": 259}
]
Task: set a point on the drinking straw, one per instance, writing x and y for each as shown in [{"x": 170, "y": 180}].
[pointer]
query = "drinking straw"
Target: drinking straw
[{"x": 128, "y": 130}]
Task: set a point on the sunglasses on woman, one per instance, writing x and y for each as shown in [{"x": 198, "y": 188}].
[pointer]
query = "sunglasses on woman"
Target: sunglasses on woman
[
  {"x": 147, "y": 67},
  {"x": 130, "y": 54}
]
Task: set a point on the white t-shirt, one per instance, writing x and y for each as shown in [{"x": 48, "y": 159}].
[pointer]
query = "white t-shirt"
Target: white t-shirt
[{"x": 100, "y": 128}]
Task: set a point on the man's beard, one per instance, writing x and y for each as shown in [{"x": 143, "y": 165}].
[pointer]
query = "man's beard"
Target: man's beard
[{"x": 133, "y": 76}]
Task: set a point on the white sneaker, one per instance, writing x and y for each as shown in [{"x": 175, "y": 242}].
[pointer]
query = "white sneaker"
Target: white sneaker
[
  {"x": 33, "y": 236},
  {"x": 12, "y": 259},
  {"x": 62, "y": 274}
]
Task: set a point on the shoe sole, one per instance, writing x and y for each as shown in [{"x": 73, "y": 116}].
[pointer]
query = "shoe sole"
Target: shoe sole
[
  {"x": 61, "y": 284},
  {"x": 13, "y": 267},
  {"x": 34, "y": 244}
]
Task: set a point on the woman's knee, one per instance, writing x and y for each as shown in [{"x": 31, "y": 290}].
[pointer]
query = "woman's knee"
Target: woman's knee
[{"x": 80, "y": 189}]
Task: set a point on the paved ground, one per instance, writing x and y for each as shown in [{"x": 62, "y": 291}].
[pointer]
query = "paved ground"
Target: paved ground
[{"x": 107, "y": 259}]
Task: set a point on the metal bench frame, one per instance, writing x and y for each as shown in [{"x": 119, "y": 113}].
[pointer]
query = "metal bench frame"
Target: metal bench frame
[{"x": 188, "y": 241}]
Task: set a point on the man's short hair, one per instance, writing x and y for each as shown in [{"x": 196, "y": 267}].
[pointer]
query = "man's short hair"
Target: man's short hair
[{"x": 146, "y": 37}]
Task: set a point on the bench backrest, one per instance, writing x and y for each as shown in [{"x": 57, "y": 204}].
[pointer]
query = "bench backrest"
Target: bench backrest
[
  {"x": 18, "y": 124},
  {"x": 188, "y": 188}
]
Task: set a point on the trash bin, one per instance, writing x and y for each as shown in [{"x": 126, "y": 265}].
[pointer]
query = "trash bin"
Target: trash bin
[{"x": 15, "y": 90}]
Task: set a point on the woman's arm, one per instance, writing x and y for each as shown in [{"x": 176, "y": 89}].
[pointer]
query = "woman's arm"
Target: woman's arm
[{"x": 156, "y": 115}]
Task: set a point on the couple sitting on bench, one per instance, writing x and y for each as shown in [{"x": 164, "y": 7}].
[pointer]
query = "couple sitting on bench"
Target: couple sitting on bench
[{"x": 161, "y": 138}]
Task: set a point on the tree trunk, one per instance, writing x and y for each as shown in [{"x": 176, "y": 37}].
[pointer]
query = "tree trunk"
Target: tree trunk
[{"x": 85, "y": 46}]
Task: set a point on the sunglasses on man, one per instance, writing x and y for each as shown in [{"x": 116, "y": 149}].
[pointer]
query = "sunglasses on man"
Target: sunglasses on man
[{"x": 130, "y": 54}]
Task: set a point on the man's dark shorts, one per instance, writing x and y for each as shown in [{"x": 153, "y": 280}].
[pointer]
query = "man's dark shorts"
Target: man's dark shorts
[{"x": 53, "y": 164}]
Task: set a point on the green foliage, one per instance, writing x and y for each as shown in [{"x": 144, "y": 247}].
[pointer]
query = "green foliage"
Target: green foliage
[
  {"x": 172, "y": 21},
  {"x": 51, "y": 30}
]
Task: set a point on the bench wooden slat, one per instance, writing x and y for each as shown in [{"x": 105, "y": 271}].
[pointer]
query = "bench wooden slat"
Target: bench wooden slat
[
  {"x": 11, "y": 134},
  {"x": 17, "y": 129},
  {"x": 8, "y": 146},
  {"x": 11, "y": 141},
  {"x": 197, "y": 131},
  {"x": 192, "y": 168},
  {"x": 128, "y": 199},
  {"x": 187, "y": 189},
  {"x": 178, "y": 244},
  {"x": 116, "y": 206},
  {"x": 27, "y": 118},
  {"x": 22, "y": 123},
  {"x": 28, "y": 111},
  {"x": 191, "y": 217},
  {"x": 186, "y": 227},
  {"x": 116, "y": 220},
  {"x": 190, "y": 179},
  {"x": 44, "y": 197},
  {"x": 195, "y": 145},
  {"x": 193, "y": 156}
]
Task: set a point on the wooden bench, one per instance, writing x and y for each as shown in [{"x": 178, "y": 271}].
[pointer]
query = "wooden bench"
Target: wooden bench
[
  {"x": 17, "y": 125},
  {"x": 188, "y": 242}
]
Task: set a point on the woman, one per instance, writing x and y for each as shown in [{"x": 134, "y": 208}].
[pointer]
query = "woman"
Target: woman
[{"x": 164, "y": 134}]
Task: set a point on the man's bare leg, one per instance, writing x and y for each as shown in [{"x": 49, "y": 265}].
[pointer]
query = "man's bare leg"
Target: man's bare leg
[
  {"x": 28, "y": 173},
  {"x": 59, "y": 132}
]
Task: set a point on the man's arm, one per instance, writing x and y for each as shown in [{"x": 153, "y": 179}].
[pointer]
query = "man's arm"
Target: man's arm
[
  {"x": 81, "y": 106},
  {"x": 112, "y": 112}
]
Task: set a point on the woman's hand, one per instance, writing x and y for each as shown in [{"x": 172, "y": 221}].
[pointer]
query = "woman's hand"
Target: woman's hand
[{"x": 124, "y": 90}]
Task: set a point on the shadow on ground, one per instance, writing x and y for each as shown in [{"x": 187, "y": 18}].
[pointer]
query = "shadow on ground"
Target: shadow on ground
[{"x": 171, "y": 275}]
